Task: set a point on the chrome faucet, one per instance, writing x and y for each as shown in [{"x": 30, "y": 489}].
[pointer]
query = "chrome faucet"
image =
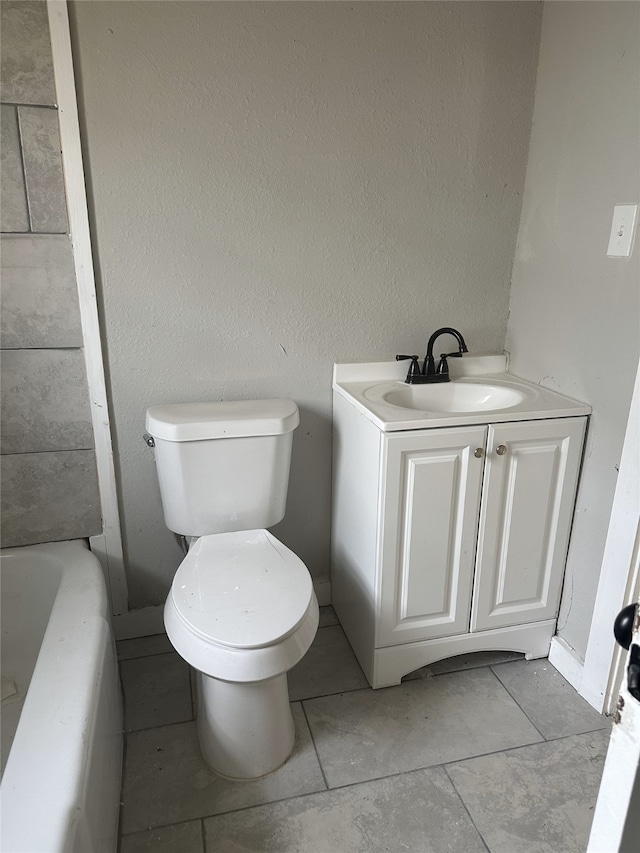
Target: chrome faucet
[{"x": 429, "y": 372}]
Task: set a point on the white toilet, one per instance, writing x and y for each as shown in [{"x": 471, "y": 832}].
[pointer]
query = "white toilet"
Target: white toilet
[{"x": 241, "y": 610}]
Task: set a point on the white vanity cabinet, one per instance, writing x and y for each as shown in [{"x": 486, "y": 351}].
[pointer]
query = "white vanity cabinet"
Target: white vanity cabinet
[{"x": 450, "y": 540}]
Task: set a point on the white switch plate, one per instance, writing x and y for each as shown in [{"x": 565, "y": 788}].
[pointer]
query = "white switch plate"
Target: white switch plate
[{"x": 623, "y": 228}]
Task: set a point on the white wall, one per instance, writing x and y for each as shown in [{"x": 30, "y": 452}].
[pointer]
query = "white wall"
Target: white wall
[
  {"x": 574, "y": 321},
  {"x": 278, "y": 186}
]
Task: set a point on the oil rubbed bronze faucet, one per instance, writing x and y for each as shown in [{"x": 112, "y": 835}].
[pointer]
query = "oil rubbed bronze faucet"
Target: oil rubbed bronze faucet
[{"x": 429, "y": 372}]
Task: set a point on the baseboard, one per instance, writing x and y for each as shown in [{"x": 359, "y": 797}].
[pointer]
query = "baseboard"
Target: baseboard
[
  {"x": 322, "y": 586},
  {"x": 566, "y": 661},
  {"x": 139, "y": 623},
  {"x": 149, "y": 620}
]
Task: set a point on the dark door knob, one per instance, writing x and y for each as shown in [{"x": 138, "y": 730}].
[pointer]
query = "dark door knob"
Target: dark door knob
[
  {"x": 623, "y": 631},
  {"x": 623, "y": 626}
]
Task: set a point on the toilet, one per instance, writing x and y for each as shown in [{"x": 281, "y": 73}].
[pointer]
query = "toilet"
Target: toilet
[{"x": 241, "y": 610}]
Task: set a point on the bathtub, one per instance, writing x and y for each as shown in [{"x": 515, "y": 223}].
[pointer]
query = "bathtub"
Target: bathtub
[{"x": 61, "y": 711}]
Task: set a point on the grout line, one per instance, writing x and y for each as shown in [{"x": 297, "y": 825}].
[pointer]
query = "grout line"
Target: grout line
[
  {"x": 232, "y": 811},
  {"x": 576, "y": 734},
  {"x": 149, "y": 655},
  {"x": 193, "y": 675},
  {"x": 34, "y": 233},
  {"x": 301, "y": 796},
  {"x": 122, "y": 775},
  {"x": 445, "y": 764},
  {"x": 161, "y": 726},
  {"x": 333, "y": 693},
  {"x": 24, "y": 168},
  {"x": 464, "y": 806},
  {"x": 428, "y": 768},
  {"x": 200, "y": 820},
  {"x": 509, "y": 693},
  {"x": 313, "y": 741},
  {"x": 40, "y": 349},
  {"x": 24, "y": 171},
  {"x": 36, "y": 106},
  {"x": 36, "y": 452},
  {"x": 522, "y": 746},
  {"x": 169, "y": 650}
]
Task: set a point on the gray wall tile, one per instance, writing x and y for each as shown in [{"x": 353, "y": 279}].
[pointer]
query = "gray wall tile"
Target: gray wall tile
[
  {"x": 50, "y": 491},
  {"x": 45, "y": 401},
  {"x": 27, "y": 67},
  {"x": 14, "y": 215},
  {"x": 39, "y": 293},
  {"x": 48, "y": 497},
  {"x": 40, "y": 138}
]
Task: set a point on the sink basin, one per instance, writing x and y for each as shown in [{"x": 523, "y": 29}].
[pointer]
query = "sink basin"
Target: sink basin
[
  {"x": 481, "y": 391},
  {"x": 455, "y": 396}
]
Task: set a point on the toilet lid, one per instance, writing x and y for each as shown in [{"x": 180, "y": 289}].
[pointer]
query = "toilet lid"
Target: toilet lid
[{"x": 244, "y": 589}]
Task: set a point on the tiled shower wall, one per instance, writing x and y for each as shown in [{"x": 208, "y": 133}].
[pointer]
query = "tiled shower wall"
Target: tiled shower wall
[{"x": 49, "y": 477}]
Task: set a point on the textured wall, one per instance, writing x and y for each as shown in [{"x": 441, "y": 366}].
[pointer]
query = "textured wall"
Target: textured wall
[
  {"x": 49, "y": 481},
  {"x": 575, "y": 314},
  {"x": 278, "y": 186}
]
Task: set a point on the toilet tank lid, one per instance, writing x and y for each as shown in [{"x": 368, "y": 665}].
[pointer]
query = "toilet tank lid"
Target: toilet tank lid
[{"x": 226, "y": 419}]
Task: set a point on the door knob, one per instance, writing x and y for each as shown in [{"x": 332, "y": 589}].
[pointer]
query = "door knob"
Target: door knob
[
  {"x": 501, "y": 449},
  {"x": 623, "y": 631},
  {"x": 479, "y": 452},
  {"x": 623, "y": 625}
]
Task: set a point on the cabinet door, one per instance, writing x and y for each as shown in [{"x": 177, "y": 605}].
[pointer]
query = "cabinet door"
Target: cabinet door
[
  {"x": 531, "y": 473},
  {"x": 430, "y": 504}
]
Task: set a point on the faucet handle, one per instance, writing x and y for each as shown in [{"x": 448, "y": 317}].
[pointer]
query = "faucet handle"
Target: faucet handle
[
  {"x": 414, "y": 367},
  {"x": 443, "y": 367}
]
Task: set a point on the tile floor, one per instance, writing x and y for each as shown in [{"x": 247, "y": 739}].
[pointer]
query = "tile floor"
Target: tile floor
[{"x": 484, "y": 752}]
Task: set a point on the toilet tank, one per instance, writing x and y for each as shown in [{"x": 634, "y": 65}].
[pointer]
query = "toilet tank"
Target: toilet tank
[{"x": 223, "y": 466}]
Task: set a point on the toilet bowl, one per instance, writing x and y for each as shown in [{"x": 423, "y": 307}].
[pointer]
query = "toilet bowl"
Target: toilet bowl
[
  {"x": 242, "y": 612},
  {"x": 241, "y": 609}
]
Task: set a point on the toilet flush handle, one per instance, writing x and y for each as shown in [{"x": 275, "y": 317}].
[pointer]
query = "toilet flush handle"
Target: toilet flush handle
[{"x": 149, "y": 439}]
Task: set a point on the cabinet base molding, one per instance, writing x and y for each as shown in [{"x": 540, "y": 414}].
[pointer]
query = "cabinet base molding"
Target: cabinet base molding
[
  {"x": 393, "y": 662},
  {"x": 566, "y": 661}
]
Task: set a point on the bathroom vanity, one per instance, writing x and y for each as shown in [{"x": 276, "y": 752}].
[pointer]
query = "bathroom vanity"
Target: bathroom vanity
[{"x": 452, "y": 509}]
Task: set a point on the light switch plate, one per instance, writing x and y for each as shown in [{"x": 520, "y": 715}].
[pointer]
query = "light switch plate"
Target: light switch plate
[{"x": 623, "y": 229}]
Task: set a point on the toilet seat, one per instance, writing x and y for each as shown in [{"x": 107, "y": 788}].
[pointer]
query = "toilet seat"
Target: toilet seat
[{"x": 241, "y": 606}]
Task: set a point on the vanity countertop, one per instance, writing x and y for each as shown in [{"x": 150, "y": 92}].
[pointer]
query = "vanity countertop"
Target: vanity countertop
[{"x": 369, "y": 386}]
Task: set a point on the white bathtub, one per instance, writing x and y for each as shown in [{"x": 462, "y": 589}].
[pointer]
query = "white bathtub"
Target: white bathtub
[{"x": 60, "y": 789}]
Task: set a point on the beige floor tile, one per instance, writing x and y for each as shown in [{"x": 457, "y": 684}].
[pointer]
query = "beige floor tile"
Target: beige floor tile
[
  {"x": 179, "y": 838},
  {"x": 538, "y": 799},
  {"x": 367, "y": 734},
  {"x": 156, "y": 691},
  {"x": 550, "y": 702},
  {"x": 166, "y": 780},
  {"x": 328, "y": 667},
  {"x": 416, "y": 812}
]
